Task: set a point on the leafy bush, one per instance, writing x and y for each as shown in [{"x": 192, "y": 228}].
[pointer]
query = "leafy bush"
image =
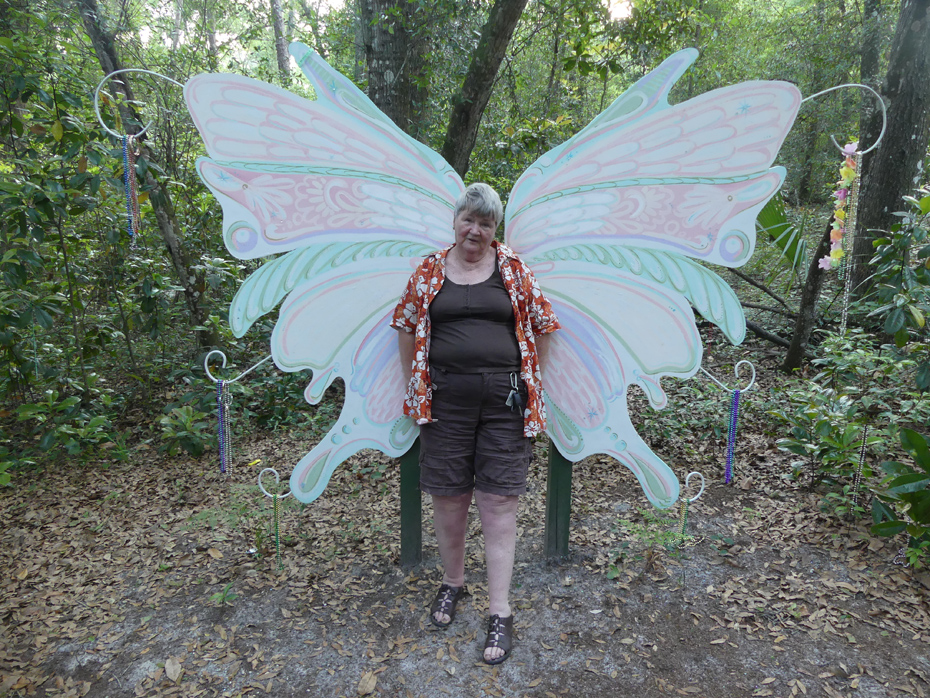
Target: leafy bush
[
  {"x": 860, "y": 384},
  {"x": 901, "y": 283},
  {"x": 903, "y": 499},
  {"x": 824, "y": 430},
  {"x": 187, "y": 428},
  {"x": 66, "y": 423}
]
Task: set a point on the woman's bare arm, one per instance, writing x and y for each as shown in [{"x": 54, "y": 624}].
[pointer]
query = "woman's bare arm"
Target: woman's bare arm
[
  {"x": 542, "y": 349},
  {"x": 406, "y": 342}
]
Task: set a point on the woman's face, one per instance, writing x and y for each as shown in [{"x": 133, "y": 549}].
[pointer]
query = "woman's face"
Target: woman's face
[{"x": 473, "y": 232}]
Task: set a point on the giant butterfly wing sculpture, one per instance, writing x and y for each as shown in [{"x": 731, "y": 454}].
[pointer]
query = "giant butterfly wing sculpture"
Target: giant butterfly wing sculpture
[{"x": 614, "y": 223}]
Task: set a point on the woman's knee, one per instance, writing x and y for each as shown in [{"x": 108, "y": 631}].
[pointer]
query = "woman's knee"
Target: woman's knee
[{"x": 496, "y": 503}]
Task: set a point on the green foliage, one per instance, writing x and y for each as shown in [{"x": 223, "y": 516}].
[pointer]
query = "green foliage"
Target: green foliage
[
  {"x": 66, "y": 423},
  {"x": 823, "y": 430},
  {"x": 225, "y": 596},
  {"x": 903, "y": 498},
  {"x": 901, "y": 284},
  {"x": 186, "y": 428},
  {"x": 859, "y": 384},
  {"x": 653, "y": 533},
  {"x": 786, "y": 236}
]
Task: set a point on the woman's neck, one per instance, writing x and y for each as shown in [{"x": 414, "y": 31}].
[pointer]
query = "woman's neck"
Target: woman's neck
[
  {"x": 468, "y": 260},
  {"x": 463, "y": 269}
]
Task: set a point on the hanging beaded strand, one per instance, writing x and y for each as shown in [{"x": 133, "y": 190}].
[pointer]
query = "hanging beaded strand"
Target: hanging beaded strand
[
  {"x": 130, "y": 187},
  {"x": 684, "y": 540},
  {"x": 223, "y": 402},
  {"x": 858, "y": 481},
  {"x": 277, "y": 530},
  {"x": 731, "y": 435},
  {"x": 850, "y": 240}
]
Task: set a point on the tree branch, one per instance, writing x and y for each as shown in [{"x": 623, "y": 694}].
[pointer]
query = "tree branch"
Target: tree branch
[
  {"x": 771, "y": 337},
  {"x": 759, "y": 285},
  {"x": 769, "y": 309}
]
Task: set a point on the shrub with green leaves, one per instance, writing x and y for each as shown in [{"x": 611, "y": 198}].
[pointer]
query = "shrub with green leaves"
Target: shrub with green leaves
[
  {"x": 186, "y": 428},
  {"x": 901, "y": 283},
  {"x": 824, "y": 430},
  {"x": 903, "y": 500}
]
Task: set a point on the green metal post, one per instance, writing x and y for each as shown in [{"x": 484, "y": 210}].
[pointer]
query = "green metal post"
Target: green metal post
[
  {"x": 558, "y": 504},
  {"x": 411, "y": 508}
]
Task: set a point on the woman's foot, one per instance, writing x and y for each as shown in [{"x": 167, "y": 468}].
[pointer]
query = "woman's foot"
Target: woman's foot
[
  {"x": 499, "y": 641},
  {"x": 442, "y": 612}
]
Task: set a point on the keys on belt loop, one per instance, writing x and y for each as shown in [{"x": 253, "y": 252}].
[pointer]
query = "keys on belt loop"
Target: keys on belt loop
[{"x": 514, "y": 399}]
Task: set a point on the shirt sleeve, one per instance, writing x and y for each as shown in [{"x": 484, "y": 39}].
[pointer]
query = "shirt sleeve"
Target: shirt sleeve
[
  {"x": 542, "y": 318},
  {"x": 405, "y": 312}
]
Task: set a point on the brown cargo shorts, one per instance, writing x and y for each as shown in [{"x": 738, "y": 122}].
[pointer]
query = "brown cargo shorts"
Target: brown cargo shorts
[{"x": 475, "y": 440}]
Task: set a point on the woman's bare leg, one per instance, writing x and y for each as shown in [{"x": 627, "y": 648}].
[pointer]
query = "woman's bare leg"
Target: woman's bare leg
[
  {"x": 450, "y": 517},
  {"x": 499, "y": 523}
]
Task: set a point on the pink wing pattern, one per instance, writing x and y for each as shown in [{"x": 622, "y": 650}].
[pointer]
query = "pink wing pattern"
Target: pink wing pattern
[
  {"x": 291, "y": 171},
  {"x": 607, "y": 221},
  {"x": 336, "y": 324},
  {"x": 617, "y": 330}
]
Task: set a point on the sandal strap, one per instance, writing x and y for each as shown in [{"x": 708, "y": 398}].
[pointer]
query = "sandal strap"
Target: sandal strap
[
  {"x": 447, "y": 598},
  {"x": 498, "y": 631}
]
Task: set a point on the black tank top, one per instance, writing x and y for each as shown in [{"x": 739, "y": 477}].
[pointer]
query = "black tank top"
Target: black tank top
[{"x": 472, "y": 328}]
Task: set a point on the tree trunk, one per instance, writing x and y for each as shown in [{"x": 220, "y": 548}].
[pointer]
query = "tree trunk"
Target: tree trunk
[
  {"x": 312, "y": 15},
  {"x": 888, "y": 172},
  {"x": 468, "y": 106},
  {"x": 361, "y": 31},
  {"x": 807, "y": 310},
  {"x": 193, "y": 284},
  {"x": 554, "y": 66},
  {"x": 210, "y": 22},
  {"x": 394, "y": 53},
  {"x": 280, "y": 42},
  {"x": 159, "y": 197},
  {"x": 810, "y": 152},
  {"x": 869, "y": 60},
  {"x": 178, "y": 21}
]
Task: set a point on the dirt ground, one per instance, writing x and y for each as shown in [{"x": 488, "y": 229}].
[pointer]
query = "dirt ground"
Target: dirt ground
[{"x": 159, "y": 578}]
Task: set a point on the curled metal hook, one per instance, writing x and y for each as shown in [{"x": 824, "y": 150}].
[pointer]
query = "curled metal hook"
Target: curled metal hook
[
  {"x": 703, "y": 484},
  {"x": 117, "y": 72},
  {"x": 277, "y": 481},
  {"x": 206, "y": 366},
  {"x": 881, "y": 103},
  {"x": 736, "y": 370}
]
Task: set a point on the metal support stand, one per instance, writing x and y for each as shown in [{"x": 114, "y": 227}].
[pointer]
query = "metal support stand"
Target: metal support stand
[
  {"x": 558, "y": 504},
  {"x": 558, "y": 507},
  {"x": 411, "y": 508}
]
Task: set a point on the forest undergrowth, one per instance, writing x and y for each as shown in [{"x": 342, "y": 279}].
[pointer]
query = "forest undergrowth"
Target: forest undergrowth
[{"x": 157, "y": 575}]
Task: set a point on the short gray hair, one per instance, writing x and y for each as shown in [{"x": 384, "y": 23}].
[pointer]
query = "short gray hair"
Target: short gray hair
[{"x": 481, "y": 199}]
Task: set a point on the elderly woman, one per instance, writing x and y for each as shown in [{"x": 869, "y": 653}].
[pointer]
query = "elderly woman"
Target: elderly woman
[{"x": 474, "y": 334}]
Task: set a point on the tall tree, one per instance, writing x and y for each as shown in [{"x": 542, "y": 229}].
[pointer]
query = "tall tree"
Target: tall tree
[
  {"x": 192, "y": 282},
  {"x": 469, "y": 104},
  {"x": 280, "y": 42},
  {"x": 888, "y": 172},
  {"x": 395, "y": 47},
  {"x": 870, "y": 57},
  {"x": 807, "y": 306}
]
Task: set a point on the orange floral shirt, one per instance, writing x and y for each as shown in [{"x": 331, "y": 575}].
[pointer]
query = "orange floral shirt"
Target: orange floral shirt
[{"x": 533, "y": 317}]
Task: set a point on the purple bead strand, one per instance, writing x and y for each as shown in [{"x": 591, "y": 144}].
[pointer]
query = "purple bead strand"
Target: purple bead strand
[
  {"x": 220, "y": 409},
  {"x": 731, "y": 435}
]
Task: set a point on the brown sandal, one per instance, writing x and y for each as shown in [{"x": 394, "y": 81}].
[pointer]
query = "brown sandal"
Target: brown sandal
[
  {"x": 500, "y": 635},
  {"x": 445, "y": 602}
]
